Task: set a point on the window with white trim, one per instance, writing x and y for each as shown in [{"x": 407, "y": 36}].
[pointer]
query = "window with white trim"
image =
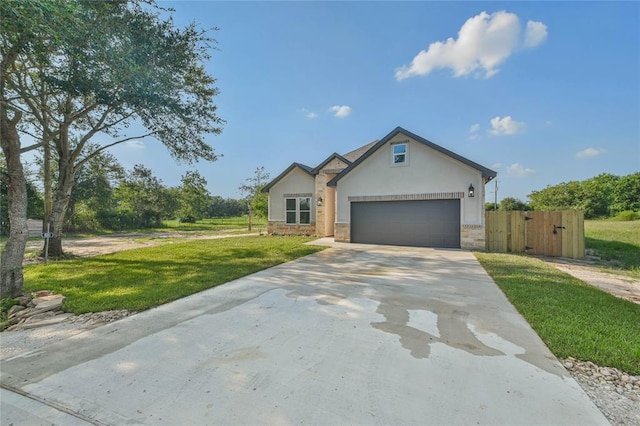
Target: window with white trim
[
  {"x": 297, "y": 211},
  {"x": 291, "y": 211},
  {"x": 399, "y": 154}
]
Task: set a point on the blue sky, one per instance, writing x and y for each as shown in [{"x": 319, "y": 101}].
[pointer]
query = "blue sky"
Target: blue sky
[{"x": 542, "y": 92}]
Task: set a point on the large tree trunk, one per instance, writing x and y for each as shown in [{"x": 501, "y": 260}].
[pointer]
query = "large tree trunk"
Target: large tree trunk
[
  {"x": 11, "y": 278},
  {"x": 61, "y": 199},
  {"x": 47, "y": 183}
]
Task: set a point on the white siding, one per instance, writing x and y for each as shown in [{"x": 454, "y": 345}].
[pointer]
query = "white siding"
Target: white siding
[
  {"x": 428, "y": 171},
  {"x": 295, "y": 182}
]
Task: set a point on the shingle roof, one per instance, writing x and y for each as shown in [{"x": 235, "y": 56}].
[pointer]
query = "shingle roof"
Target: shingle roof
[
  {"x": 486, "y": 172},
  {"x": 328, "y": 159},
  {"x": 357, "y": 153}
]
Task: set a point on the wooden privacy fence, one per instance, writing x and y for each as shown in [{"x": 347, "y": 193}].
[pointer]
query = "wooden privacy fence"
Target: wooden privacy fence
[{"x": 547, "y": 233}]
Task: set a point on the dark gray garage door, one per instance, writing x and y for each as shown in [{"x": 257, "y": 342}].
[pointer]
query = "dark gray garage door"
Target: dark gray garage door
[{"x": 428, "y": 223}]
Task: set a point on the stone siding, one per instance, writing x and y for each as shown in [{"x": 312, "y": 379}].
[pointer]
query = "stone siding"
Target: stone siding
[
  {"x": 342, "y": 232},
  {"x": 280, "y": 228},
  {"x": 324, "y": 175},
  {"x": 472, "y": 237}
]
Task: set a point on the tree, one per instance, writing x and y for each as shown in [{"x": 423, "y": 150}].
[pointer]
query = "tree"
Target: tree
[
  {"x": 566, "y": 195},
  {"x": 34, "y": 201},
  {"x": 230, "y": 207},
  {"x": 141, "y": 195},
  {"x": 124, "y": 64},
  {"x": 92, "y": 196},
  {"x": 27, "y": 28},
  {"x": 489, "y": 207},
  {"x": 511, "y": 203},
  {"x": 193, "y": 197},
  {"x": 626, "y": 194},
  {"x": 599, "y": 196},
  {"x": 254, "y": 196}
]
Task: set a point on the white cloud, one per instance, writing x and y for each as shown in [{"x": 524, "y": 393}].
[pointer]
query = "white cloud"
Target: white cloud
[
  {"x": 535, "y": 34},
  {"x": 473, "y": 130},
  {"x": 134, "y": 144},
  {"x": 517, "y": 170},
  {"x": 496, "y": 166},
  {"x": 340, "y": 111},
  {"x": 590, "y": 152},
  {"x": 308, "y": 114},
  {"x": 506, "y": 126},
  {"x": 484, "y": 42}
]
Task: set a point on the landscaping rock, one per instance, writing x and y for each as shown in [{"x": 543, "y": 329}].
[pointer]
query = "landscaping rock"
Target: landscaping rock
[
  {"x": 55, "y": 319},
  {"x": 14, "y": 309},
  {"x": 615, "y": 393}
]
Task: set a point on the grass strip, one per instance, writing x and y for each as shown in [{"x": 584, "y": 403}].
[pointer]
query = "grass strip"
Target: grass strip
[
  {"x": 140, "y": 279},
  {"x": 572, "y": 317},
  {"x": 618, "y": 243}
]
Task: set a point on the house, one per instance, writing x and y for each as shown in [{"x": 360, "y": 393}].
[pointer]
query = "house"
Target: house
[{"x": 399, "y": 190}]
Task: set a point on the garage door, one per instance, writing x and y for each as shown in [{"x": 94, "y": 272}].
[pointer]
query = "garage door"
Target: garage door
[{"x": 424, "y": 223}]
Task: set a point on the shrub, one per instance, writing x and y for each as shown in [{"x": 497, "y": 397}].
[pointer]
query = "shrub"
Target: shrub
[{"x": 627, "y": 215}]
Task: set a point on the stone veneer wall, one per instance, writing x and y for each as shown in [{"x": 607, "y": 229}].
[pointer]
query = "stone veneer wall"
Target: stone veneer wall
[
  {"x": 342, "y": 232},
  {"x": 472, "y": 237},
  {"x": 324, "y": 175},
  {"x": 280, "y": 228},
  {"x": 321, "y": 184}
]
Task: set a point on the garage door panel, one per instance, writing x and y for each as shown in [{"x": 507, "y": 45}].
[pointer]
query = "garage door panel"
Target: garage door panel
[{"x": 425, "y": 223}]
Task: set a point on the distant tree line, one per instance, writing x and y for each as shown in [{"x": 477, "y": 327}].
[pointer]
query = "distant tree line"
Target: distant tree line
[
  {"x": 602, "y": 196},
  {"x": 108, "y": 197}
]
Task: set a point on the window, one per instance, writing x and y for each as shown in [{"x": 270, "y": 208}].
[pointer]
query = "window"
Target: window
[
  {"x": 290, "y": 211},
  {"x": 399, "y": 153},
  {"x": 305, "y": 210},
  {"x": 298, "y": 211}
]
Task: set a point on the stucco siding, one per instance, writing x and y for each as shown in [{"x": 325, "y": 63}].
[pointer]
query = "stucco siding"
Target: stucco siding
[
  {"x": 296, "y": 182},
  {"x": 427, "y": 172}
]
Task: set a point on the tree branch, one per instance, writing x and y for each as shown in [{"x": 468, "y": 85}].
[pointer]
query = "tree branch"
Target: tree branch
[{"x": 102, "y": 148}]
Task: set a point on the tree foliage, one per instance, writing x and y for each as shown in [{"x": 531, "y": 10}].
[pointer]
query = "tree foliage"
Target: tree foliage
[
  {"x": 193, "y": 197},
  {"x": 26, "y": 28},
  {"x": 511, "y": 203},
  {"x": 229, "y": 207},
  {"x": 252, "y": 189},
  {"x": 119, "y": 62},
  {"x": 600, "y": 196}
]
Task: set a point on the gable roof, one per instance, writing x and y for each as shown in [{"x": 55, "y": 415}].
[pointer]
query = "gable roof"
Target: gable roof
[
  {"x": 486, "y": 172},
  {"x": 319, "y": 167},
  {"x": 303, "y": 167}
]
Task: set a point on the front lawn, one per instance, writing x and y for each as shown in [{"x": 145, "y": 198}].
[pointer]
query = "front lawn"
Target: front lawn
[
  {"x": 572, "y": 318},
  {"x": 143, "y": 278}
]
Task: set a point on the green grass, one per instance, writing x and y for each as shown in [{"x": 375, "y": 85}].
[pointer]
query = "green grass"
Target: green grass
[
  {"x": 616, "y": 242},
  {"x": 216, "y": 224},
  {"x": 143, "y": 278},
  {"x": 572, "y": 318}
]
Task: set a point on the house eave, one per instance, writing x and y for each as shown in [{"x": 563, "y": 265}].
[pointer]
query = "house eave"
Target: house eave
[
  {"x": 487, "y": 173},
  {"x": 308, "y": 170}
]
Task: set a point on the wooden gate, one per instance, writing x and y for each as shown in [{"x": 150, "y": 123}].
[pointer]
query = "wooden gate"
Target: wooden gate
[{"x": 547, "y": 233}]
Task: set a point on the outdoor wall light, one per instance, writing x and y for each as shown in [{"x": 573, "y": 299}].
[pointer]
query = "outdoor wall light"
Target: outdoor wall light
[
  {"x": 471, "y": 190},
  {"x": 319, "y": 201}
]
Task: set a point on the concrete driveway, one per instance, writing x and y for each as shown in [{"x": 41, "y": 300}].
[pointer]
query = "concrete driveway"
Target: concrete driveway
[{"x": 351, "y": 335}]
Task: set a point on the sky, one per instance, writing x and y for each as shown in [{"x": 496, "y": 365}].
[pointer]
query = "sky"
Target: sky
[{"x": 541, "y": 92}]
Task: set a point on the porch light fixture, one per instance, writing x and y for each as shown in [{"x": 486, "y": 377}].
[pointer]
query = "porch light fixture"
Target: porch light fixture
[
  {"x": 319, "y": 201},
  {"x": 471, "y": 190}
]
